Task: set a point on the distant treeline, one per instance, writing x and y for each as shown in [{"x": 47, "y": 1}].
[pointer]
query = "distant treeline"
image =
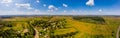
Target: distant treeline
[{"x": 90, "y": 19}]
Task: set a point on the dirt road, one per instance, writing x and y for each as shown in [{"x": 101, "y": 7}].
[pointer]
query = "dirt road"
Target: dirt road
[{"x": 118, "y": 31}]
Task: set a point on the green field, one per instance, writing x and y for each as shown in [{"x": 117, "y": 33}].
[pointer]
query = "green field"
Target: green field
[{"x": 59, "y": 27}]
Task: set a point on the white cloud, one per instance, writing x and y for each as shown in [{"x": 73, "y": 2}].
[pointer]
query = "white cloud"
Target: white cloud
[
  {"x": 37, "y": 1},
  {"x": 65, "y": 5},
  {"x": 90, "y": 3},
  {"x": 6, "y": 1},
  {"x": 100, "y": 10},
  {"x": 52, "y": 8},
  {"x": 27, "y": 5}
]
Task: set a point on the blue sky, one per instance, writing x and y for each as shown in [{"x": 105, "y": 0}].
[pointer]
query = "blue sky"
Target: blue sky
[{"x": 59, "y": 7}]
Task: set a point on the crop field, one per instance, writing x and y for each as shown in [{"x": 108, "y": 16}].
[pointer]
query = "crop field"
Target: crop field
[{"x": 59, "y": 27}]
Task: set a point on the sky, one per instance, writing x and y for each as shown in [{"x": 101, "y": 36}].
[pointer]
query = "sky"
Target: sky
[{"x": 59, "y": 7}]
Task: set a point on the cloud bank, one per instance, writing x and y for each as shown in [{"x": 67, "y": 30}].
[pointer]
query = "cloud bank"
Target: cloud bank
[
  {"x": 6, "y": 1},
  {"x": 27, "y": 5}
]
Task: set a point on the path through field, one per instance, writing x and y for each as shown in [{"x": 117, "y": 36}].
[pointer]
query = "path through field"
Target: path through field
[
  {"x": 36, "y": 33},
  {"x": 118, "y": 31}
]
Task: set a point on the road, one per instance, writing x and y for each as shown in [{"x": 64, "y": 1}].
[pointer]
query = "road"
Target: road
[{"x": 118, "y": 32}]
